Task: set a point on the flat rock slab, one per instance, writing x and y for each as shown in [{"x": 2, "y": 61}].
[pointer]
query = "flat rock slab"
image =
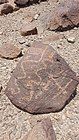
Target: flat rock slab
[
  {"x": 9, "y": 51},
  {"x": 42, "y": 131},
  {"x": 64, "y": 16},
  {"x": 42, "y": 81}
]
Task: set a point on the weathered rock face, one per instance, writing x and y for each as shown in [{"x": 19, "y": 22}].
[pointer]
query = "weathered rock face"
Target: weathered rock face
[
  {"x": 3, "y": 1},
  {"x": 6, "y": 8},
  {"x": 42, "y": 81},
  {"x": 64, "y": 16},
  {"x": 29, "y": 29},
  {"x": 9, "y": 51},
  {"x": 26, "y": 2},
  {"x": 21, "y": 2},
  {"x": 42, "y": 131}
]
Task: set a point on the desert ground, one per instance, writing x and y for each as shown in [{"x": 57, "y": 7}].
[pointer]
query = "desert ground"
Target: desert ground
[{"x": 15, "y": 123}]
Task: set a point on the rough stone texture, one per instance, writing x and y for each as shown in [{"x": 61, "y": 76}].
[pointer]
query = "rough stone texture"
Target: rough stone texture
[
  {"x": 29, "y": 29},
  {"x": 3, "y": 1},
  {"x": 21, "y": 2},
  {"x": 64, "y": 16},
  {"x": 9, "y": 51},
  {"x": 42, "y": 82},
  {"x": 43, "y": 130},
  {"x": 6, "y": 9}
]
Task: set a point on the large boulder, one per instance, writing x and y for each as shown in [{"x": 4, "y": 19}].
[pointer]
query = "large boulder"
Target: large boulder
[
  {"x": 42, "y": 81},
  {"x": 64, "y": 16}
]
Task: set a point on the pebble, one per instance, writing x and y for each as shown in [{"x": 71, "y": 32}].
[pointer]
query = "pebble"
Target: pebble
[
  {"x": 36, "y": 16},
  {"x": 71, "y": 39},
  {"x": 21, "y": 41}
]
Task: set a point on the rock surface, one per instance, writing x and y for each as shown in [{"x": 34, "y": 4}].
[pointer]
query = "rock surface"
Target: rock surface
[
  {"x": 64, "y": 16},
  {"x": 9, "y": 51},
  {"x": 21, "y": 2},
  {"x": 42, "y": 131},
  {"x": 42, "y": 81},
  {"x": 29, "y": 29}
]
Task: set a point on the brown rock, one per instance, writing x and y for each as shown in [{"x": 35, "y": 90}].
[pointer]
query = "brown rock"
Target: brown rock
[
  {"x": 21, "y": 2},
  {"x": 3, "y": 1},
  {"x": 64, "y": 16},
  {"x": 42, "y": 81},
  {"x": 29, "y": 29},
  {"x": 42, "y": 131},
  {"x": 6, "y": 9},
  {"x": 9, "y": 51}
]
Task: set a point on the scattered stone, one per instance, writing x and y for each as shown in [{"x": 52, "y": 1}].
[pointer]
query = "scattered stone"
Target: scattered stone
[
  {"x": 21, "y": 41},
  {"x": 3, "y": 1},
  {"x": 9, "y": 51},
  {"x": 42, "y": 131},
  {"x": 6, "y": 9},
  {"x": 42, "y": 81},
  {"x": 65, "y": 16},
  {"x": 21, "y": 2},
  {"x": 0, "y": 88},
  {"x": 36, "y": 16},
  {"x": 29, "y": 29},
  {"x": 71, "y": 39}
]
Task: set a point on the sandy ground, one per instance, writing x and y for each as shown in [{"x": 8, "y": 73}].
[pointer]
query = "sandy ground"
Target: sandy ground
[{"x": 14, "y": 123}]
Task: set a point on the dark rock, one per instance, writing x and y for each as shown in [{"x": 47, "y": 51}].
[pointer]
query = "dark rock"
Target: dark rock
[
  {"x": 6, "y": 9},
  {"x": 65, "y": 16},
  {"x": 3, "y": 1},
  {"x": 42, "y": 81},
  {"x": 42, "y": 131},
  {"x": 0, "y": 88},
  {"x": 29, "y": 29},
  {"x": 9, "y": 51},
  {"x": 21, "y": 2}
]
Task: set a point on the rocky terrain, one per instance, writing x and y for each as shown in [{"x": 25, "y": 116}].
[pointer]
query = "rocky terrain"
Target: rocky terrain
[{"x": 14, "y": 123}]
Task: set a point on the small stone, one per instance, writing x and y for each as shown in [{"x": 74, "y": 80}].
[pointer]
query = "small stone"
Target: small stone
[
  {"x": 43, "y": 130},
  {"x": 36, "y": 16},
  {"x": 1, "y": 33},
  {"x": 71, "y": 39},
  {"x": 6, "y": 9},
  {"x": 21, "y": 2},
  {"x": 0, "y": 88},
  {"x": 9, "y": 51},
  {"x": 29, "y": 29},
  {"x": 21, "y": 41}
]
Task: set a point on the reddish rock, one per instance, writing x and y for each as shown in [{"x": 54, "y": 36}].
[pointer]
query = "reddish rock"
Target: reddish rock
[
  {"x": 6, "y": 9},
  {"x": 42, "y": 131},
  {"x": 9, "y": 51},
  {"x": 29, "y": 29},
  {"x": 64, "y": 16},
  {"x": 42, "y": 81}
]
